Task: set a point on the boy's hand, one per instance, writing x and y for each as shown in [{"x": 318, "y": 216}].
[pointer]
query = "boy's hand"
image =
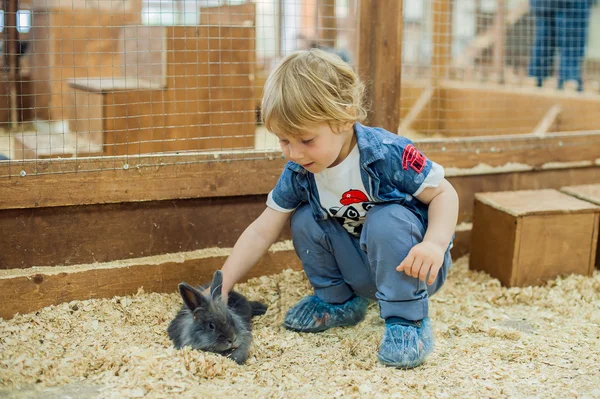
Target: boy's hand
[{"x": 423, "y": 258}]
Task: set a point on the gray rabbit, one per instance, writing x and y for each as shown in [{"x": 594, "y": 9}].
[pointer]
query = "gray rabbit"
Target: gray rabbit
[{"x": 207, "y": 323}]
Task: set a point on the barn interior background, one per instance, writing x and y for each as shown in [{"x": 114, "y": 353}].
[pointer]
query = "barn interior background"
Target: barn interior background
[{"x": 132, "y": 155}]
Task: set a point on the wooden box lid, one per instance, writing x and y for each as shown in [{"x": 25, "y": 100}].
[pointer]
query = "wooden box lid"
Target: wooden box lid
[
  {"x": 586, "y": 192},
  {"x": 535, "y": 202}
]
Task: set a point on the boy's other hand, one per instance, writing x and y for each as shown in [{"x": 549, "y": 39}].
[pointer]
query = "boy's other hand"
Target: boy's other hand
[{"x": 424, "y": 258}]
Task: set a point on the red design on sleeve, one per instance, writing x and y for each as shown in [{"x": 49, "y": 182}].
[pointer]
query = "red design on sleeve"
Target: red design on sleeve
[{"x": 413, "y": 158}]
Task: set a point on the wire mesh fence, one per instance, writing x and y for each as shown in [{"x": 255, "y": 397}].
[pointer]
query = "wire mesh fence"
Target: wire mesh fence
[
  {"x": 86, "y": 79},
  {"x": 89, "y": 79},
  {"x": 491, "y": 67}
]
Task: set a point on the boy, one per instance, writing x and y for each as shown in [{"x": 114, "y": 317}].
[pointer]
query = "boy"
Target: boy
[{"x": 371, "y": 217}]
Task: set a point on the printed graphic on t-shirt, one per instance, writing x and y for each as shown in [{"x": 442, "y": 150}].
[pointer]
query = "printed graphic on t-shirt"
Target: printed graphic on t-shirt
[{"x": 353, "y": 211}]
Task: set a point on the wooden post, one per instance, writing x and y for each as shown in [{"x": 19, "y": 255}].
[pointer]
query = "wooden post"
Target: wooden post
[
  {"x": 499, "y": 42},
  {"x": 442, "y": 39},
  {"x": 380, "y": 60},
  {"x": 11, "y": 58}
]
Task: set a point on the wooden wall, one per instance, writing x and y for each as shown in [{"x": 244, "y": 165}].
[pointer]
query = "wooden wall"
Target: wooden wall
[
  {"x": 468, "y": 110},
  {"x": 471, "y": 111},
  {"x": 208, "y": 102},
  {"x": 72, "y": 44}
]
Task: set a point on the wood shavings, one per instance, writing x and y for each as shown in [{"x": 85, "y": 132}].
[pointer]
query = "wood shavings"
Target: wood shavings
[{"x": 490, "y": 342}]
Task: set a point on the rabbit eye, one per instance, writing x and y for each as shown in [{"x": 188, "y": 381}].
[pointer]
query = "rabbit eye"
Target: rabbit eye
[{"x": 211, "y": 325}]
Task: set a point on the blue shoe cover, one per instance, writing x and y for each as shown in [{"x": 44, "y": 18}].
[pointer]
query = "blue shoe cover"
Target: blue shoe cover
[
  {"x": 406, "y": 346},
  {"x": 314, "y": 315}
]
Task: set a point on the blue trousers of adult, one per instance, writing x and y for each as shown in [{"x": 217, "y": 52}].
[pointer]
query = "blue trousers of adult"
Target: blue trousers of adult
[
  {"x": 339, "y": 265},
  {"x": 559, "y": 25}
]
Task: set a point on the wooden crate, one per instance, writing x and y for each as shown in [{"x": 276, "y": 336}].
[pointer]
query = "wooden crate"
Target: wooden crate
[
  {"x": 590, "y": 193},
  {"x": 527, "y": 237}
]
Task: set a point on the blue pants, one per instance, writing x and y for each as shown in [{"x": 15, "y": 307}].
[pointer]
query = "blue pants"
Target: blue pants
[
  {"x": 339, "y": 265},
  {"x": 561, "y": 24}
]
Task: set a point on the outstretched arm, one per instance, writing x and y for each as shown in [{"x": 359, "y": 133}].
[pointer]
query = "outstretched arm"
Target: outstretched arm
[{"x": 251, "y": 246}]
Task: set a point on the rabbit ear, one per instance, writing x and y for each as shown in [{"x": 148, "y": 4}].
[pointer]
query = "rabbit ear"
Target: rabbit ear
[
  {"x": 192, "y": 298},
  {"x": 216, "y": 285}
]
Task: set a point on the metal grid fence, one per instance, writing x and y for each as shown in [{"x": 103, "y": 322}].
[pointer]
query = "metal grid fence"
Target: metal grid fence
[{"x": 89, "y": 79}]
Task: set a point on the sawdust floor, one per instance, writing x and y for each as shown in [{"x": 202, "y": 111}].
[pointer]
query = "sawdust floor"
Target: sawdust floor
[{"x": 490, "y": 342}]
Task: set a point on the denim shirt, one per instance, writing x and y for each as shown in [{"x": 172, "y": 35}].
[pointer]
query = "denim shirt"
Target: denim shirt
[{"x": 385, "y": 169}]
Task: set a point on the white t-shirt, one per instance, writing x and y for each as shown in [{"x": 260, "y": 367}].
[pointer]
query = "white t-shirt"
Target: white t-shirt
[{"x": 343, "y": 194}]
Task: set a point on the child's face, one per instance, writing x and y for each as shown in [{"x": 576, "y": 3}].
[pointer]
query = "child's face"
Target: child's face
[{"x": 318, "y": 147}]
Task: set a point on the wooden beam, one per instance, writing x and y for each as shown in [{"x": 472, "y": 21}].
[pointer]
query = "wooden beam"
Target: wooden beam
[
  {"x": 69, "y": 235},
  {"x": 135, "y": 179},
  {"x": 423, "y": 101},
  {"x": 548, "y": 121},
  {"x": 151, "y": 178},
  {"x": 473, "y": 155},
  {"x": 380, "y": 59},
  {"x": 23, "y": 291}
]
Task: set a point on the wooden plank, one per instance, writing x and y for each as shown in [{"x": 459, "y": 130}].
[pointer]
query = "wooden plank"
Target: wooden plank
[
  {"x": 100, "y": 85},
  {"x": 487, "y": 243},
  {"x": 26, "y": 292},
  {"x": 416, "y": 110},
  {"x": 549, "y": 121},
  {"x": 76, "y": 234},
  {"x": 102, "y": 233},
  {"x": 478, "y": 109},
  {"x": 23, "y": 291},
  {"x": 536, "y": 202},
  {"x": 236, "y": 15},
  {"x": 590, "y": 193},
  {"x": 481, "y": 154},
  {"x": 467, "y": 186},
  {"x": 149, "y": 178},
  {"x": 587, "y": 192},
  {"x": 549, "y": 256},
  {"x": 380, "y": 59}
]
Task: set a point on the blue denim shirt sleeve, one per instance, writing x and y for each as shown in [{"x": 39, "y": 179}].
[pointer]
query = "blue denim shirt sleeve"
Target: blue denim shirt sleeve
[
  {"x": 408, "y": 166},
  {"x": 288, "y": 194}
]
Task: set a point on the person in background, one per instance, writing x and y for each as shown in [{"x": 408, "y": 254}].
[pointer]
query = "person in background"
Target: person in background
[
  {"x": 560, "y": 25},
  {"x": 304, "y": 43}
]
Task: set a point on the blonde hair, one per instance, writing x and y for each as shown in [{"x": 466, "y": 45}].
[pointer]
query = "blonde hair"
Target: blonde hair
[{"x": 309, "y": 87}]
